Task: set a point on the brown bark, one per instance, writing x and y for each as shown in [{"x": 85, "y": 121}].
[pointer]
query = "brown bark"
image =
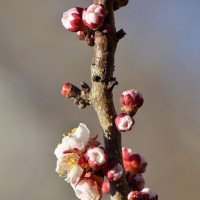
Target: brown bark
[{"x": 101, "y": 96}]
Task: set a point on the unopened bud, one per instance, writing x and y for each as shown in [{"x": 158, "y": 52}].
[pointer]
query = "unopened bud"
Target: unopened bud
[
  {"x": 144, "y": 194},
  {"x": 113, "y": 171},
  {"x": 72, "y": 19},
  {"x": 124, "y": 122},
  {"x": 69, "y": 90},
  {"x": 136, "y": 182},
  {"x": 94, "y": 15},
  {"x": 133, "y": 163},
  {"x": 81, "y": 35},
  {"x": 130, "y": 101},
  {"x": 96, "y": 157}
]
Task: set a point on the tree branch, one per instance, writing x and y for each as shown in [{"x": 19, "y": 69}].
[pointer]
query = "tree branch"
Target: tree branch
[{"x": 101, "y": 96}]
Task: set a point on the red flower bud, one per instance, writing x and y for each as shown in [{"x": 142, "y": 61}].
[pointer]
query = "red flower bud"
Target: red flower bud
[
  {"x": 130, "y": 101},
  {"x": 113, "y": 171},
  {"x": 133, "y": 163},
  {"x": 124, "y": 122},
  {"x": 94, "y": 15},
  {"x": 69, "y": 90},
  {"x": 72, "y": 19}
]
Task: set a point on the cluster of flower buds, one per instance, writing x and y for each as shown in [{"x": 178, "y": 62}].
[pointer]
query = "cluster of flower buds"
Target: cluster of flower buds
[
  {"x": 134, "y": 165},
  {"x": 78, "y": 96},
  {"x": 84, "y": 164},
  {"x": 120, "y": 3},
  {"x": 85, "y": 21},
  {"x": 130, "y": 101}
]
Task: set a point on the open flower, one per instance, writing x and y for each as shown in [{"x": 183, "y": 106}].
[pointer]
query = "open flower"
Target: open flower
[
  {"x": 77, "y": 138},
  {"x": 68, "y": 167},
  {"x": 87, "y": 188},
  {"x": 96, "y": 157}
]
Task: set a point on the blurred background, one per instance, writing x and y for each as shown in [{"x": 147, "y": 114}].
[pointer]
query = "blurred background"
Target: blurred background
[{"x": 159, "y": 57}]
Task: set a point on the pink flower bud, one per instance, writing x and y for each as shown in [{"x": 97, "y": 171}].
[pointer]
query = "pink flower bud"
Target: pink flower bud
[
  {"x": 133, "y": 163},
  {"x": 113, "y": 171},
  {"x": 89, "y": 40},
  {"x": 72, "y": 19},
  {"x": 120, "y": 3},
  {"x": 130, "y": 101},
  {"x": 144, "y": 194},
  {"x": 136, "y": 182},
  {"x": 96, "y": 157},
  {"x": 94, "y": 15},
  {"x": 126, "y": 153},
  {"x": 148, "y": 195},
  {"x": 69, "y": 90},
  {"x": 81, "y": 35},
  {"x": 105, "y": 187},
  {"x": 124, "y": 122},
  {"x": 66, "y": 90}
]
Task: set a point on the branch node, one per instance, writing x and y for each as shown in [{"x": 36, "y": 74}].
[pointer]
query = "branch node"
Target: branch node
[
  {"x": 96, "y": 78},
  {"x": 85, "y": 87},
  {"x": 112, "y": 83},
  {"x": 120, "y": 34}
]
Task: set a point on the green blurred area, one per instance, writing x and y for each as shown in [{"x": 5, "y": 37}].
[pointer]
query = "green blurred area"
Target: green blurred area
[{"x": 159, "y": 56}]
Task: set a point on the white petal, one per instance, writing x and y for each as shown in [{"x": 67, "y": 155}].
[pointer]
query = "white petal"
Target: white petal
[
  {"x": 85, "y": 191},
  {"x": 82, "y": 132},
  {"x": 74, "y": 174}
]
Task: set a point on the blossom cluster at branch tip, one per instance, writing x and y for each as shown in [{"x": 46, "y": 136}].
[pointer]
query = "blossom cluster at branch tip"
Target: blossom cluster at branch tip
[{"x": 83, "y": 163}]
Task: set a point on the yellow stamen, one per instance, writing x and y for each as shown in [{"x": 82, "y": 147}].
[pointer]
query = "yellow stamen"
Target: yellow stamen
[
  {"x": 68, "y": 163},
  {"x": 72, "y": 132}
]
